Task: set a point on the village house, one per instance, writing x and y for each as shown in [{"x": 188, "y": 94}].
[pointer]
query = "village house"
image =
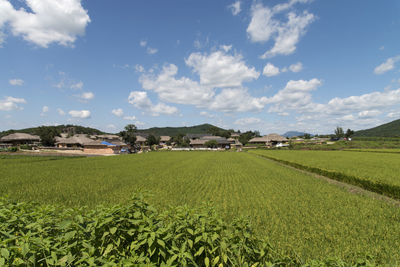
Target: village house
[
  {"x": 104, "y": 147},
  {"x": 164, "y": 139},
  {"x": 270, "y": 140},
  {"x": 75, "y": 141},
  {"x": 222, "y": 142},
  {"x": 17, "y": 139}
]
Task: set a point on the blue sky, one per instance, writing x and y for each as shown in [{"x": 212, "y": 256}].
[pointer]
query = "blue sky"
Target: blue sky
[{"x": 273, "y": 66}]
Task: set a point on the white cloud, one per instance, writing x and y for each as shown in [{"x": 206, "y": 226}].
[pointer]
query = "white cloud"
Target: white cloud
[
  {"x": 264, "y": 27},
  {"x": 11, "y": 103},
  {"x": 395, "y": 114},
  {"x": 130, "y": 118},
  {"x": 237, "y": 100},
  {"x": 85, "y": 96},
  {"x": 143, "y": 43},
  {"x": 247, "y": 121},
  {"x": 386, "y": 66},
  {"x": 296, "y": 95},
  {"x": 270, "y": 70},
  {"x": 226, "y": 48},
  {"x": 16, "y": 82},
  {"x": 118, "y": 112},
  {"x": 206, "y": 114},
  {"x": 61, "y": 112},
  {"x": 181, "y": 91},
  {"x": 77, "y": 86},
  {"x": 297, "y": 67},
  {"x": 48, "y": 22},
  {"x": 151, "y": 51},
  {"x": 369, "y": 113},
  {"x": 235, "y": 8},
  {"x": 81, "y": 114},
  {"x": 139, "y": 68},
  {"x": 219, "y": 69},
  {"x": 45, "y": 109},
  {"x": 140, "y": 100}
]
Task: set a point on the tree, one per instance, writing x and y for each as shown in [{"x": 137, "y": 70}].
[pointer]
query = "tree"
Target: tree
[
  {"x": 180, "y": 140},
  {"x": 128, "y": 135},
  {"x": 47, "y": 135},
  {"x": 307, "y": 136},
  {"x": 152, "y": 140},
  {"x": 246, "y": 136},
  {"x": 349, "y": 133},
  {"x": 211, "y": 144},
  {"x": 339, "y": 132}
]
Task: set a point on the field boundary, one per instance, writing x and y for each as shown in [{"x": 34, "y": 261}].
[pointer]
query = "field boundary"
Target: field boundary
[
  {"x": 370, "y": 151},
  {"x": 390, "y": 191}
]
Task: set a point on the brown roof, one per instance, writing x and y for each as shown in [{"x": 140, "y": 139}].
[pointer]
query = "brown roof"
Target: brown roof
[
  {"x": 75, "y": 139},
  {"x": 268, "y": 138},
  {"x": 107, "y": 136},
  {"x": 20, "y": 137},
  {"x": 165, "y": 138},
  {"x": 198, "y": 141},
  {"x": 140, "y": 138}
]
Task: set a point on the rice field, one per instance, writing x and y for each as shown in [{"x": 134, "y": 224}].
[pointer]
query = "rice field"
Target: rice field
[{"x": 295, "y": 211}]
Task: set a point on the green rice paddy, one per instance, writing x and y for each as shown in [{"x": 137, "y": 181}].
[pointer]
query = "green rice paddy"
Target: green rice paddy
[{"x": 297, "y": 212}]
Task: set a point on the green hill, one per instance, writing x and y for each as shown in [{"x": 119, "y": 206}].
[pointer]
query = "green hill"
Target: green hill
[
  {"x": 71, "y": 129},
  {"x": 391, "y": 129},
  {"x": 173, "y": 131}
]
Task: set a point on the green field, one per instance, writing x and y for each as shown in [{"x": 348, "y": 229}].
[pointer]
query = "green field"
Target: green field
[
  {"x": 296, "y": 211},
  {"x": 377, "y": 172}
]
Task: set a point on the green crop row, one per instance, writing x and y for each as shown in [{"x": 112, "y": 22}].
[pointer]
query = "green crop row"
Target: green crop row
[{"x": 133, "y": 234}]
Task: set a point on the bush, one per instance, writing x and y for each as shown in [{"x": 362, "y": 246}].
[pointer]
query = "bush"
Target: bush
[
  {"x": 12, "y": 149},
  {"x": 26, "y": 147}
]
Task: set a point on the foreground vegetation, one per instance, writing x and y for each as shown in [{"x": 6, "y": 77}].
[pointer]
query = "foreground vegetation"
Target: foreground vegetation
[
  {"x": 378, "y": 172},
  {"x": 297, "y": 213}
]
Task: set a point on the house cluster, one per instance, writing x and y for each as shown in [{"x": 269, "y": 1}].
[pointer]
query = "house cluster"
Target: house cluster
[{"x": 113, "y": 144}]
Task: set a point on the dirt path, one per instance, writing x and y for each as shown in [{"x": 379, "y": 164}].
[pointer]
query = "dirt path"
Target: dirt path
[{"x": 350, "y": 188}]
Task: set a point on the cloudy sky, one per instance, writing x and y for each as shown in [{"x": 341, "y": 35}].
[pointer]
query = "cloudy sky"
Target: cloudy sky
[{"x": 273, "y": 66}]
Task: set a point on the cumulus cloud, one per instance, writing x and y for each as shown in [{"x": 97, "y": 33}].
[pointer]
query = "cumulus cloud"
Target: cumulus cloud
[
  {"x": 237, "y": 100},
  {"x": 220, "y": 69},
  {"x": 85, "y": 96},
  {"x": 386, "y": 66},
  {"x": 80, "y": 114},
  {"x": 16, "y": 82},
  {"x": 247, "y": 121},
  {"x": 297, "y": 67},
  {"x": 217, "y": 71},
  {"x": 140, "y": 100},
  {"x": 11, "y": 103},
  {"x": 369, "y": 113},
  {"x": 46, "y": 22},
  {"x": 117, "y": 112},
  {"x": 270, "y": 70},
  {"x": 264, "y": 26},
  {"x": 176, "y": 90},
  {"x": 235, "y": 8}
]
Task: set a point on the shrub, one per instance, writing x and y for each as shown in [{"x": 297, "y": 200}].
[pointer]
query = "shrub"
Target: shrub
[{"x": 12, "y": 149}]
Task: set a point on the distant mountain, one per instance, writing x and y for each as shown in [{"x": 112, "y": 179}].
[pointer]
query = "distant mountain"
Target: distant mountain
[
  {"x": 71, "y": 129},
  {"x": 291, "y": 134},
  {"x": 173, "y": 131},
  {"x": 391, "y": 129}
]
